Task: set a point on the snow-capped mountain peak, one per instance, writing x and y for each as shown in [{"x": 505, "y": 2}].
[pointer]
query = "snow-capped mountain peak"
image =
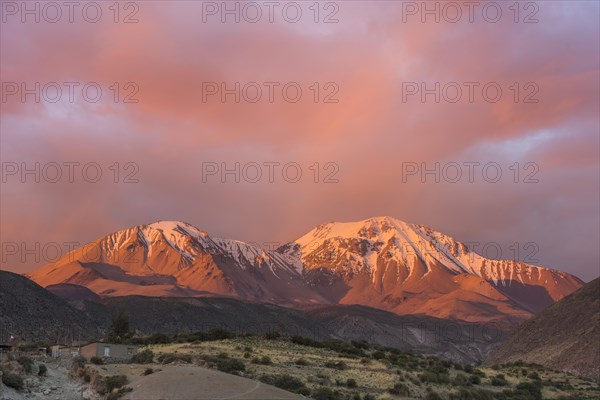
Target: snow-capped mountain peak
[{"x": 381, "y": 262}]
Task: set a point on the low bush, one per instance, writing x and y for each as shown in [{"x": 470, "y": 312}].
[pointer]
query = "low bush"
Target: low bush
[
  {"x": 432, "y": 396},
  {"x": 351, "y": 383},
  {"x": 96, "y": 360},
  {"x": 78, "y": 362},
  {"x": 264, "y": 360},
  {"x": 432, "y": 377},
  {"x": 272, "y": 335},
  {"x": 400, "y": 389},
  {"x": 534, "y": 375},
  {"x": 230, "y": 365},
  {"x": 336, "y": 365},
  {"x": 531, "y": 390},
  {"x": 148, "y": 371},
  {"x": 115, "y": 382},
  {"x": 168, "y": 358},
  {"x": 461, "y": 380},
  {"x": 301, "y": 361},
  {"x": 12, "y": 380},
  {"x": 286, "y": 382},
  {"x": 306, "y": 341},
  {"x": 473, "y": 394},
  {"x": 26, "y": 363},
  {"x": 143, "y": 357},
  {"x": 499, "y": 380},
  {"x": 324, "y": 393},
  {"x": 42, "y": 370}
]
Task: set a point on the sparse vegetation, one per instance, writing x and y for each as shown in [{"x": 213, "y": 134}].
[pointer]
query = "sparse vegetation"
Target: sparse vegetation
[
  {"x": 286, "y": 382},
  {"x": 169, "y": 358},
  {"x": 230, "y": 365},
  {"x": 302, "y": 366},
  {"x": 499, "y": 380},
  {"x": 143, "y": 357},
  {"x": 13, "y": 380},
  {"x": 264, "y": 360},
  {"x": 26, "y": 363},
  {"x": 115, "y": 382},
  {"x": 341, "y": 365},
  {"x": 302, "y": 362},
  {"x": 96, "y": 360}
]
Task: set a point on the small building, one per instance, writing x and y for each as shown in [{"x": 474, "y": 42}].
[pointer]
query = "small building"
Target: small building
[
  {"x": 109, "y": 350},
  {"x": 59, "y": 350},
  {"x": 5, "y": 351}
]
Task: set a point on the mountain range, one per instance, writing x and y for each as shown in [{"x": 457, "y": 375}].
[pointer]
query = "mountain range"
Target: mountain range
[{"x": 380, "y": 262}]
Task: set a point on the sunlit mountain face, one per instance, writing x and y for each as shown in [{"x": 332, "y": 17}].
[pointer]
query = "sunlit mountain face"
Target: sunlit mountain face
[{"x": 379, "y": 262}]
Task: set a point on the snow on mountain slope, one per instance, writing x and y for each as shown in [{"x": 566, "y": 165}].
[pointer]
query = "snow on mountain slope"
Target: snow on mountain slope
[
  {"x": 170, "y": 258},
  {"x": 379, "y": 262},
  {"x": 407, "y": 268}
]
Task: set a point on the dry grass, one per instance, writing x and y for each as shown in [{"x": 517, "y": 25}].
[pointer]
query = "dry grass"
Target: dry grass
[{"x": 373, "y": 377}]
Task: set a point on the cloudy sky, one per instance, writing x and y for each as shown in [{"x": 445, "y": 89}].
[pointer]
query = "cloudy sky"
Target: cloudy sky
[{"x": 113, "y": 117}]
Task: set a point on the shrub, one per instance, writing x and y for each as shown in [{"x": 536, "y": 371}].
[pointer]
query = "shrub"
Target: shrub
[
  {"x": 115, "y": 382},
  {"x": 96, "y": 360},
  {"x": 13, "y": 380},
  {"x": 26, "y": 363},
  {"x": 378, "y": 355},
  {"x": 247, "y": 354},
  {"x": 351, "y": 383},
  {"x": 306, "y": 341},
  {"x": 326, "y": 394},
  {"x": 475, "y": 379},
  {"x": 286, "y": 382},
  {"x": 42, "y": 370},
  {"x": 272, "y": 335},
  {"x": 143, "y": 357},
  {"x": 468, "y": 369},
  {"x": 78, "y": 362},
  {"x": 530, "y": 390},
  {"x": 499, "y": 380},
  {"x": 264, "y": 360},
  {"x": 369, "y": 397},
  {"x": 360, "y": 344},
  {"x": 461, "y": 380},
  {"x": 168, "y": 358},
  {"x": 400, "y": 389},
  {"x": 148, "y": 371},
  {"x": 432, "y": 396},
  {"x": 230, "y": 365},
  {"x": 336, "y": 365},
  {"x": 475, "y": 394},
  {"x": 534, "y": 375},
  {"x": 117, "y": 395},
  {"x": 301, "y": 361},
  {"x": 432, "y": 377}
]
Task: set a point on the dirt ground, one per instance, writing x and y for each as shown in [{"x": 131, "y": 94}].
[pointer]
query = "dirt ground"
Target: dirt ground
[
  {"x": 56, "y": 385},
  {"x": 184, "y": 382}
]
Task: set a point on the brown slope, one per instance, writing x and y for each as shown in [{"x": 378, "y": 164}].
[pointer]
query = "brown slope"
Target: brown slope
[
  {"x": 565, "y": 336},
  {"x": 30, "y": 313}
]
